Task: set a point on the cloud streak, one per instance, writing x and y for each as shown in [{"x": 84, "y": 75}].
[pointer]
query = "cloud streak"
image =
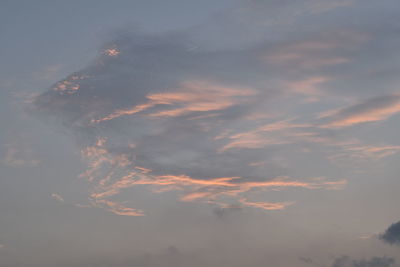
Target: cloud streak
[{"x": 371, "y": 110}]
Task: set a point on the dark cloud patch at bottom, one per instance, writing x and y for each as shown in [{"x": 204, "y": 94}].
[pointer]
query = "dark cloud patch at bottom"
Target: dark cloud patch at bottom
[
  {"x": 346, "y": 261},
  {"x": 172, "y": 256},
  {"x": 392, "y": 234},
  {"x": 222, "y": 212}
]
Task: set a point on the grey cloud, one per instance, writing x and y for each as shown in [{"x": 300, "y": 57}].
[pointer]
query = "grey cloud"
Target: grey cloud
[
  {"x": 346, "y": 261},
  {"x": 202, "y": 90},
  {"x": 392, "y": 234},
  {"x": 223, "y": 212},
  {"x": 310, "y": 261},
  {"x": 173, "y": 105},
  {"x": 19, "y": 153},
  {"x": 171, "y": 257}
]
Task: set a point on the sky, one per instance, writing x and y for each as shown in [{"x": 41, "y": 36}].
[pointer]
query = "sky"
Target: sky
[{"x": 183, "y": 133}]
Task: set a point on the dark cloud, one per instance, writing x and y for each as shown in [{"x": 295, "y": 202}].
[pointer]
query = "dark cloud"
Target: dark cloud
[
  {"x": 392, "y": 234},
  {"x": 346, "y": 261}
]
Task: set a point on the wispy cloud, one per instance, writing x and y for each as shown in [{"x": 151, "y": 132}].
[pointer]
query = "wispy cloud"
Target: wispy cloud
[
  {"x": 371, "y": 110},
  {"x": 192, "y": 97},
  {"x": 265, "y": 205},
  {"x": 110, "y": 173},
  {"x": 18, "y": 154}
]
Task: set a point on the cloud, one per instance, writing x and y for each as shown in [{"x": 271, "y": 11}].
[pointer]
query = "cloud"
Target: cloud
[
  {"x": 57, "y": 197},
  {"x": 392, "y": 234},
  {"x": 111, "y": 173},
  {"x": 215, "y": 117},
  {"x": 178, "y": 101},
  {"x": 18, "y": 154},
  {"x": 309, "y": 86},
  {"x": 310, "y": 261},
  {"x": 275, "y": 133},
  {"x": 265, "y": 205},
  {"x": 346, "y": 261},
  {"x": 192, "y": 97},
  {"x": 322, "y": 51},
  {"x": 369, "y": 151},
  {"x": 375, "y": 109}
]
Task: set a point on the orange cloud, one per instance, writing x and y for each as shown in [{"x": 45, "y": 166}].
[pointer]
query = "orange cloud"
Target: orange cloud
[
  {"x": 118, "y": 208},
  {"x": 358, "y": 151},
  {"x": 198, "y": 195},
  {"x": 376, "y": 151},
  {"x": 252, "y": 141},
  {"x": 123, "y": 112},
  {"x": 70, "y": 85},
  {"x": 270, "y": 134},
  {"x": 376, "y": 109},
  {"x": 265, "y": 205},
  {"x": 112, "y": 52},
  {"x": 107, "y": 182},
  {"x": 193, "y": 96}
]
